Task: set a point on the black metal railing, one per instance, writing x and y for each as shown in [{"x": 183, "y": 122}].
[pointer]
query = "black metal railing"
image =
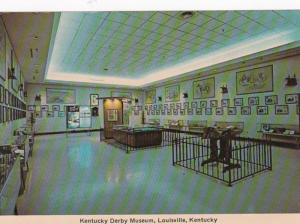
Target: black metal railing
[{"x": 242, "y": 158}]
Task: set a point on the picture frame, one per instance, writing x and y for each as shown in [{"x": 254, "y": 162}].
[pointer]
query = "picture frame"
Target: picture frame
[
  {"x": 159, "y": 106},
  {"x": 198, "y": 111},
  {"x": 219, "y": 111},
  {"x": 186, "y": 105},
  {"x": 1, "y": 114},
  {"x": 157, "y": 112},
  {"x": 2, "y": 52},
  {"x": 44, "y": 107},
  {"x": 154, "y": 107},
  {"x": 253, "y": 101},
  {"x": 213, "y": 103},
  {"x": 152, "y": 112},
  {"x": 178, "y": 105},
  {"x": 112, "y": 115},
  {"x": 204, "y": 88},
  {"x": 148, "y": 112},
  {"x": 94, "y": 99},
  {"x": 208, "y": 111},
  {"x": 238, "y": 102},
  {"x": 231, "y": 111},
  {"x": 55, "y": 107},
  {"x": 182, "y": 111},
  {"x": 136, "y": 113},
  {"x": 172, "y": 93},
  {"x": 150, "y": 96},
  {"x": 6, "y": 96},
  {"x": 60, "y": 96},
  {"x": 203, "y": 104},
  {"x": 146, "y": 107},
  {"x": 245, "y": 110},
  {"x": 1, "y": 94},
  {"x": 271, "y": 100},
  {"x": 225, "y": 102},
  {"x": 50, "y": 113},
  {"x": 281, "y": 109},
  {"x": 291, "y": 98},
  {"x": 262, "y": 110},
  {"x": 172, "y": 106},
  {"x": 175, "y": 111},
  {"x": 163, "y": 112},
  {"x": 169, "y": 112},
  {"x": 194, "y": 104},
  {"x": 31, "y": 107},
  {"x": 166, "y": 106},
  {"x": 255, "y": 80},
  {"x": 61, "y": 113},
  {"x": 190, "y": 111}
]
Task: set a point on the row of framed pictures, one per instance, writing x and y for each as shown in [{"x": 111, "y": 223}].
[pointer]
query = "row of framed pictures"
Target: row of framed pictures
[
  {"x": 48, "y": 114},
  {"x": 244, "y": 110},
  {"x": 9, "y": 99},
  {"x": 8, "y": 114},
  {"x": 252, "y": 101},
  {"x": 45, "y": 108}
]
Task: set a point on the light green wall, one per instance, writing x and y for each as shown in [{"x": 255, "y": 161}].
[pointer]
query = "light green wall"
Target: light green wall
[
  {"x": 56, "y": 124},
  {"x": 252, "y": 123}
]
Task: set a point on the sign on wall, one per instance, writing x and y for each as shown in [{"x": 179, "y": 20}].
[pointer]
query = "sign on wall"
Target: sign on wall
[
  {"x": 172, "y": 93},
  {"x": 255, "y": 80},
  {"x": 204, "y": 88},
  {"x": 60, "y": 96}
]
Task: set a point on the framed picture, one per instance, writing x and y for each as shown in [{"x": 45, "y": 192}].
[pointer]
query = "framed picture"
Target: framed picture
[
  {"x": 291, "y": 98},
  {"x": 44, "y": 108},
  {"x": 154, "y": 107},
  {"x": 1, "y": 94},
  {"x": 150, "y": 107},
  {"x": 60, "y": 96},
  {"x": 1, "y": 114},
  {"x": 157, "y": 112},
  {"x": 186, "y": 105},
  {"x": 112, "y": 115},
  {"x": 213, "y": 103},
  {"x": 50, "y": 113},
  {"x": 94, "y": 99},
  {"x": 6, "y": 96},
  {"x": 31, "y": 107},
  {"x": 163, "y": 112},
  {"x": 204, "y": 88},
  {"x": 172, "y": 106},
  {"x": 271, "y": 100},
  {"x": 119, "y": 94},
  {"x": 255, "y": 80},
  {"x": 253, "y": 101},
  {"x": 262, "y": 110},
  {"x": 150, "y": 96},
  {"x": 178, "y": 105},
  {"x": 182, "y": 111},
  {"x": 160, "y": 106},
  {"x": 15, "y": 82},
  {"x": 2, "y": 52},
  {"x": 169, "y": 112},
  {"x": 172, "y": 93},
  {"x": 203, "y": 104},
  {"x": 219, "y": 111},
  {"x": 166, "y": 106},
  {"x": 225, "y": 102},
  {"x": 55, "y": 107},
  {"x": 175, "y": 111},
  {"x": 281, "y": 109},
  {"x": 231, "y": 111},
  {"x": 238, "y": 102},
  {"x": 208, "y": 111},
  {"x": 146, "y": 107},
  {"x": 136, "y": 112},
  {"x": 194, "y": 104},
  {"x": 246, "y": 110},
  {"x": 198, "y": 111},
  {"x": 61, "y": 113},
  {"x": 190, "y": 111}
]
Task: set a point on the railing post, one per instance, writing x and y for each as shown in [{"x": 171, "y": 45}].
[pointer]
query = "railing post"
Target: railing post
[{"x": 174, "y": 147}]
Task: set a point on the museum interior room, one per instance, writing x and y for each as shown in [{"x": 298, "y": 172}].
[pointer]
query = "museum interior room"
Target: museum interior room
[{"x": 149, "y": 112}]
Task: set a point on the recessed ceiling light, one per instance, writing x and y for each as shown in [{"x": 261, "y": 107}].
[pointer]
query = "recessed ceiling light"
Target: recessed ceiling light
[{"x": 186, "y": 14}]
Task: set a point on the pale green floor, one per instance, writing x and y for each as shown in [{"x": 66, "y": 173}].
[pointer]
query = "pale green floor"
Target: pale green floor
[{"x": 81, "y": 175}]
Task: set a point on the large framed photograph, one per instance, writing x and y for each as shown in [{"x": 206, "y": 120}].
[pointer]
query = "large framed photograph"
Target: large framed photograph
[
  {"x": 281, "y": 109},
  {"x": 94, "y": 99},
  {"x": 2, "y": 52},
  {"x": 262, "y": 110},
  {"x": 271, "y": 100},
  {"x": 291, "y": 98},
  {"x": 60, "y": 96},
  {"x": 172, "y": 93},
  {"x": 112, "y": 115},
  {"x": 150, "y": 96},
  {"x": 204, "y": 88},
  {"x": 257, "y": 80}
]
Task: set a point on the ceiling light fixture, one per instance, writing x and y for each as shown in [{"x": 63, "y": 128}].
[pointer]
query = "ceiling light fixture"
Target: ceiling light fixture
[{"x": 186, "y": 15}]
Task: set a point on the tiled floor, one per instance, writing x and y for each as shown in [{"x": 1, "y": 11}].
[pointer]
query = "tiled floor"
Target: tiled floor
[{"x": 79, "y": 174}]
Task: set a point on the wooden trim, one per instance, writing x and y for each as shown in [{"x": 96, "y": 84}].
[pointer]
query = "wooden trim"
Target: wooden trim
[{"x": 65, "y": 132}]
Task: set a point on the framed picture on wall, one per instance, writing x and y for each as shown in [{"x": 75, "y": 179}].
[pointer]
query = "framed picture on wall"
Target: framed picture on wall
[
  {"x": 271, "y": 100},
  {"x": 208, "y": 111},
  {"x": 31, "y": 107},
  {"x": 203, "y": 104},
  {"x": 2, "y": 52},
  {"x": 204, "y": 88},
  {"x": 94, "y": 99},
  {"x": 38, "y": 114},
  {"x": 213, "y": 103},
  {"x": 281, "y": 109},
  {"x": 112, "y": 115},
  {"x": 1, "y": 114},
  {"x": 219, "y": 111},
  {"x": 44, "y": 108},
  {"x": 190, "y": 111},
  {"x": 169, "y": 112},
  {"x": 175, "y": 111},
  {"x": 154, "y": 107},
  {"x": 186, "y": 105},
  {"x": 246, "y": 110},
  {"x": 238, "y": 102},
  {"x": 252, "y": 101},
  {"x": 55, "y": 107},
  {"x": 6, "y": 96},
  {"x": 198, "y": 111},
  {"x": 194, "y": 104},
  {"x": 291, "y": 98},
  {"x": 166, "y": 106},
  {"x": 182, "y": 111},
  {"x": 1, "y": 94},
  {"x": 60, "y": 96},
  {"x": 150, "y": 96},
  {"x": 163, "y": 112},
  {"x": 231, "y": 111},
  {"x": 225, "y": 102},
  {"x": 178, "y": 105},
  {"x": 255, "y": 80},
  {"x": 61, "y": 113},
  {"x": 262, "y": 110},
  {"x": 172, "y": 93}
]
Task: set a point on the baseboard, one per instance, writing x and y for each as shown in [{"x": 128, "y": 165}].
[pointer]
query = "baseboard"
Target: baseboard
[{"x": 66, "y": 132}]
